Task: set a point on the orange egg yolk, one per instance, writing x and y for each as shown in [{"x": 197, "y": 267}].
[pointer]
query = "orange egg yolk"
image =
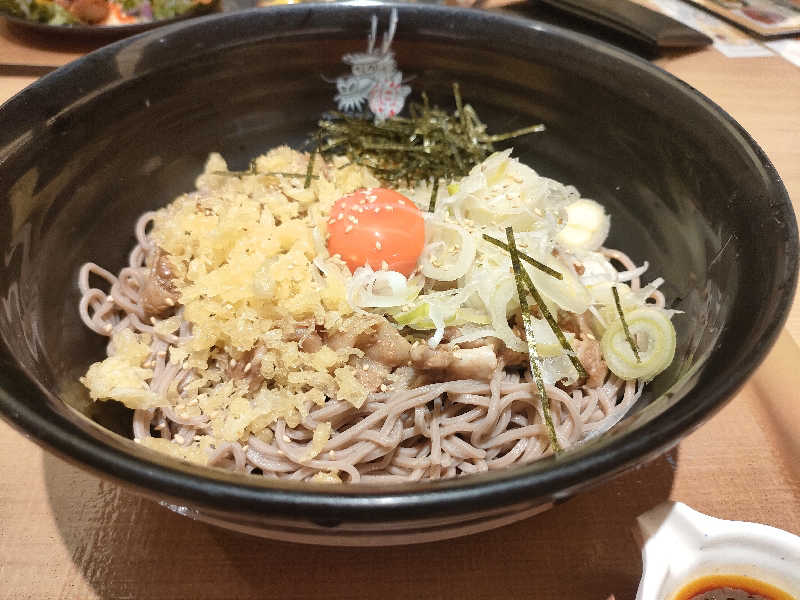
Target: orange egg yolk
[{"x": 375, "y": 226}]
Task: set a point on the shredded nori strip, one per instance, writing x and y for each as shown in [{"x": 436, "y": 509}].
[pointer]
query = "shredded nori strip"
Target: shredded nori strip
[
  {"x": 310, "y": 168},
  {"x": 553, "y": 324},
  {"x": 533, "y": 353},
  {"x": 429, "y": 145},
  {"x": 627, "y": 331},
  {"x": 268, "y": 173},
  {"x": 434, "y": 193},
  {"x": 528, "y": 259},
  {"x": 540, "y": 302}
]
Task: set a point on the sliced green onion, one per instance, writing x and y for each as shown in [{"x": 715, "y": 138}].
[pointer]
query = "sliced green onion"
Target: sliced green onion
[
  {"x": 533, "y": 354},
  {"x": 528, "y": 259},
  {"x": 654, "y": 326},
  {"x": 627, "y": 331}
]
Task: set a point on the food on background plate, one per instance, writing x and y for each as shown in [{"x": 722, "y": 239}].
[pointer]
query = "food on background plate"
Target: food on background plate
[
  {"x": 400, "y": 303},
  {"x": 99, "y": 12}
]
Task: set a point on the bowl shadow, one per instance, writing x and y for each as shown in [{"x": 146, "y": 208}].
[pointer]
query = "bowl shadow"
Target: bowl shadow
[{"x": 126, "y": 546}]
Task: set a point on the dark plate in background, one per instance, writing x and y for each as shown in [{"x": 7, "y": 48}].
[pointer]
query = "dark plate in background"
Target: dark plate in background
[{"x": 102, "y": 32}]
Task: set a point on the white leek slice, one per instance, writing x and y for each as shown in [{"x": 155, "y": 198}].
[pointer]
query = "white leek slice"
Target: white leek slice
[
  {"x": 597, "y": 269},
  {"x": 449, "y": 251},
  {"x": 498, "y": 307},
  {"x": 381, "y": 289},
  {"x": 655, "y": 340},
  {"x": 557, "y": 368},
  {"x": 587, "y": 225},
  {"x": 547, "y": 344},
  {"x": 568, "y": 293},
  {"x": 602, "y": 295}
]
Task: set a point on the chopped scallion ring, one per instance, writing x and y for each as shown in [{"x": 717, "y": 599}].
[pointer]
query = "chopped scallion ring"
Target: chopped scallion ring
[{"x": 656, "y": 336}]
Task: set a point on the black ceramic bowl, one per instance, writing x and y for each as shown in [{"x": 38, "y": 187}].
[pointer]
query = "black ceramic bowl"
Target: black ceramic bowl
[{"x": 89, "y": 147}]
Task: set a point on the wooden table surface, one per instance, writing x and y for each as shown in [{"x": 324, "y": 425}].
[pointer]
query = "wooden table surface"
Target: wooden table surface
[{"x": 67, "y": 534}]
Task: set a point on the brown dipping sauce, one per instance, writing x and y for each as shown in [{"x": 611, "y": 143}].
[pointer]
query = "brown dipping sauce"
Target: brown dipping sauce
[{"x": 729, "y": 587}]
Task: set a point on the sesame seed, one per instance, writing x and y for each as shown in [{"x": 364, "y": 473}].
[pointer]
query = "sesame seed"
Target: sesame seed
[
  {"x": 286, "y": 438},
  {"x": 340, "y": 216},
  {"x": 362, "y": 201},
  {"x": 153, "y": 320},
  {"x": 233, "y": 362},
  {"x": 352, "y": 219},
  {"x": 170, "y": 302},
  {"x": 389, "y": 207},
  {"x": 378, "y": 245},
  {"x": 401, "y": 202},
  {"x": 365, "y": 367},
  {"x": 245, "y": 448},
  {"x": 179, "y": 438},
  {"x": 160, "y": 426},
  {"x": 109, "y": 298},
  {"x": 332, "y": 454},
  {"x": 383, "y": 387},
  {"x": 248, "y": 366},
  {"x": 384, "y": 265},
  {"x": 348, "y": 229},
  {"x": 108, "y": 328},
  {"x": 377, "y": 209}
]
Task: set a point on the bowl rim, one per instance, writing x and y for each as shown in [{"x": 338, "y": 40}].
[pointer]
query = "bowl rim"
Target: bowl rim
[{"x": 554, "y": 478}]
